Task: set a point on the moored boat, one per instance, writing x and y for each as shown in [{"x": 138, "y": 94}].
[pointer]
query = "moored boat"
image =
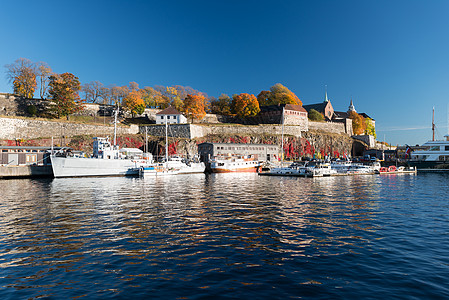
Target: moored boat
[
  {"x": 107, "y": 160},
  {"x": 434, "y": 157},
  {"x": 234, "y": 164}
]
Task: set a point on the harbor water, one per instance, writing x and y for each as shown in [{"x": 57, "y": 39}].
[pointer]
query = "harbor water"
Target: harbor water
[{"x": 225, "y": 236}]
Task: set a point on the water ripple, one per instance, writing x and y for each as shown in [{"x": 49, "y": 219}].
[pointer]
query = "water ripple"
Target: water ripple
[{"x": 225, "y": 236}]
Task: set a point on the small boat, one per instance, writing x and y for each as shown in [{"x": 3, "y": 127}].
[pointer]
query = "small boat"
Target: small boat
[
  {"x": 234, "y": 164},
  {"x": 295, "y": 169},
  {"x": 317, "y": 169},
  {"x": 396, "y": 170},
  {"x": 186, "y": 166},
  {"x": 157, "y": 169}
]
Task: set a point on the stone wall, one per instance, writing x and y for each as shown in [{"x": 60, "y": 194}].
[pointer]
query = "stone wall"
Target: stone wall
[
  {"x": 193, "y": 131},
  {"x": 331, "y": 127},
  {"x": 15, "y": 128}
]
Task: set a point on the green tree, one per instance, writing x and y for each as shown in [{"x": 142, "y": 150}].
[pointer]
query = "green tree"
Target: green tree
[
  {"x": 22, "y": 73},
  {"x": 222, "y": 105},
  {"x": 315, "y": 115},
  {"x": 245, "y": 105},
  {"x": 63, "y": 91}
]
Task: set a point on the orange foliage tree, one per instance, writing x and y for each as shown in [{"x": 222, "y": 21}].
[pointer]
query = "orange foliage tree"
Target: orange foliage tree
[
  {"x": 194, "y": 106},
  {"x": 278, "y": 94},
  {"x": 245, "y": 105},
  {"x": 358, "y": 123},
  {"x": 133, "y": 103}
]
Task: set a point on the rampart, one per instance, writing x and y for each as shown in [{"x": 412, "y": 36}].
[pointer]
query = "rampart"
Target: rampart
[
  {"x": 330, "y": 127},
  {"x": 192, "y": 131},
  {"x": 16, "y": 128}
]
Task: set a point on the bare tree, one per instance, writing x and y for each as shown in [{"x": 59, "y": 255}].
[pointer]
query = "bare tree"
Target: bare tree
[
  {"x": 22, "y": 74},
  {"x": 93, "y": 91},
  {"x": 44, "y": 72}
]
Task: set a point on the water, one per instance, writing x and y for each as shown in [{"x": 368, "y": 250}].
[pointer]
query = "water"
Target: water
[{"x": 225, "y": 236}]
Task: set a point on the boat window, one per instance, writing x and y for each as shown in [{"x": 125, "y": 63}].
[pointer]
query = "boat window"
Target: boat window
[
  {"x": 435, "y": 148},
  {"x": 446, "y": 148}
]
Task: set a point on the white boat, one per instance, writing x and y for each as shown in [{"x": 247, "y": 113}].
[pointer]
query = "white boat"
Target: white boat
[
  {"x": 157, "y": 169},
  {"x": 228, "y": 164},
  {"x": 293, "y": 169},
  {"x": 350, "y": 168},
  {"x": 435, "y": 156},
  {"x": 186, "y": 166},
  {"x": 171, "y": 165},
  {"x": 107, "y": 160},
  {"x": 317, "y": 169}
]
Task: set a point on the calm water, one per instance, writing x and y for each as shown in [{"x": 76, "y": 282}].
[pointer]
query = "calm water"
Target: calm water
[{"x": 225, "y": 236}]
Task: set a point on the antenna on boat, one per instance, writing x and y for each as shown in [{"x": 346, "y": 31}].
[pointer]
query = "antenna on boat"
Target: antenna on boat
[{"x": 433, "y": 123}]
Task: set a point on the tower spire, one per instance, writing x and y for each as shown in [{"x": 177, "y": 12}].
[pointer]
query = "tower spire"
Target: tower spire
[
  {"x": 325, "y": 92},
  {"x": 351, "y": 106}
]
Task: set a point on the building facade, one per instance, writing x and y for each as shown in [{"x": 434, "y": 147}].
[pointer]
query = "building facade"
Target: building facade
[
  {"x": 263, "y": 152},
  {"x": 170, "y": 116}
]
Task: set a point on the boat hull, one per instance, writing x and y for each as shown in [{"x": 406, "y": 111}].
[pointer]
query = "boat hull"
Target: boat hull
[
  {"x": 86, "y": 167},
  {"x": 434, "y": 165},
  {"x": 230, "y": 170}
]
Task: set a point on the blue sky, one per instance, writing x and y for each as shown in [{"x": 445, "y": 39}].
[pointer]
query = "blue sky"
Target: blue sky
[{"x": 390, "y": 57}]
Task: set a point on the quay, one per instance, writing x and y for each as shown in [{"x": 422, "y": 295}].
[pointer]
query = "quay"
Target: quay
[{"x": 25, "y": 161}]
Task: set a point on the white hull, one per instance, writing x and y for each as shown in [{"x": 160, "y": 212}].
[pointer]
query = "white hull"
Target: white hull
[
  {"x": 83, "y": 167},
  {"x": 193, "y": 168}
]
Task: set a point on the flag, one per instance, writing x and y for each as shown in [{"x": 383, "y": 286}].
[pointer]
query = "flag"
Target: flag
[{"x": 408, "y": 151}]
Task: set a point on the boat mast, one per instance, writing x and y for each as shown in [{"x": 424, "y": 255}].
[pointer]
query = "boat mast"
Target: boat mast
[
  {"x": 115, "y": 125},
  {"x": 166, "y": 140},
  {"x": 282, "y": 136}
]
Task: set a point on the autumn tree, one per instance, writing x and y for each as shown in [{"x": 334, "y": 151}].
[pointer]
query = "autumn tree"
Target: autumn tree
[
  {"x": 221, "y": 106},
  {"x": 194, "y": 106},
  {"x": 133, "y": 103},
  {"x": 369, "y": 127},
  {"x": 22, "y": 73},
  {"x": 151, "y": 97},
  {"x": 63, "y": 91},
  {"x": 175, "y": 100},
  {"x": 315, "y": 115},
  {"x": 43, "y": 72},
  {"x": 278, "y": 94},
  {"x": 245, "y": 105},
  {"x": 92, "y": 91},
  {"x": 358, "y": 123}
]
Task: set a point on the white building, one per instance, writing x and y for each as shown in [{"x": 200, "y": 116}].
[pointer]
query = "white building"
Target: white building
[{"x": 171, "y": 115}]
